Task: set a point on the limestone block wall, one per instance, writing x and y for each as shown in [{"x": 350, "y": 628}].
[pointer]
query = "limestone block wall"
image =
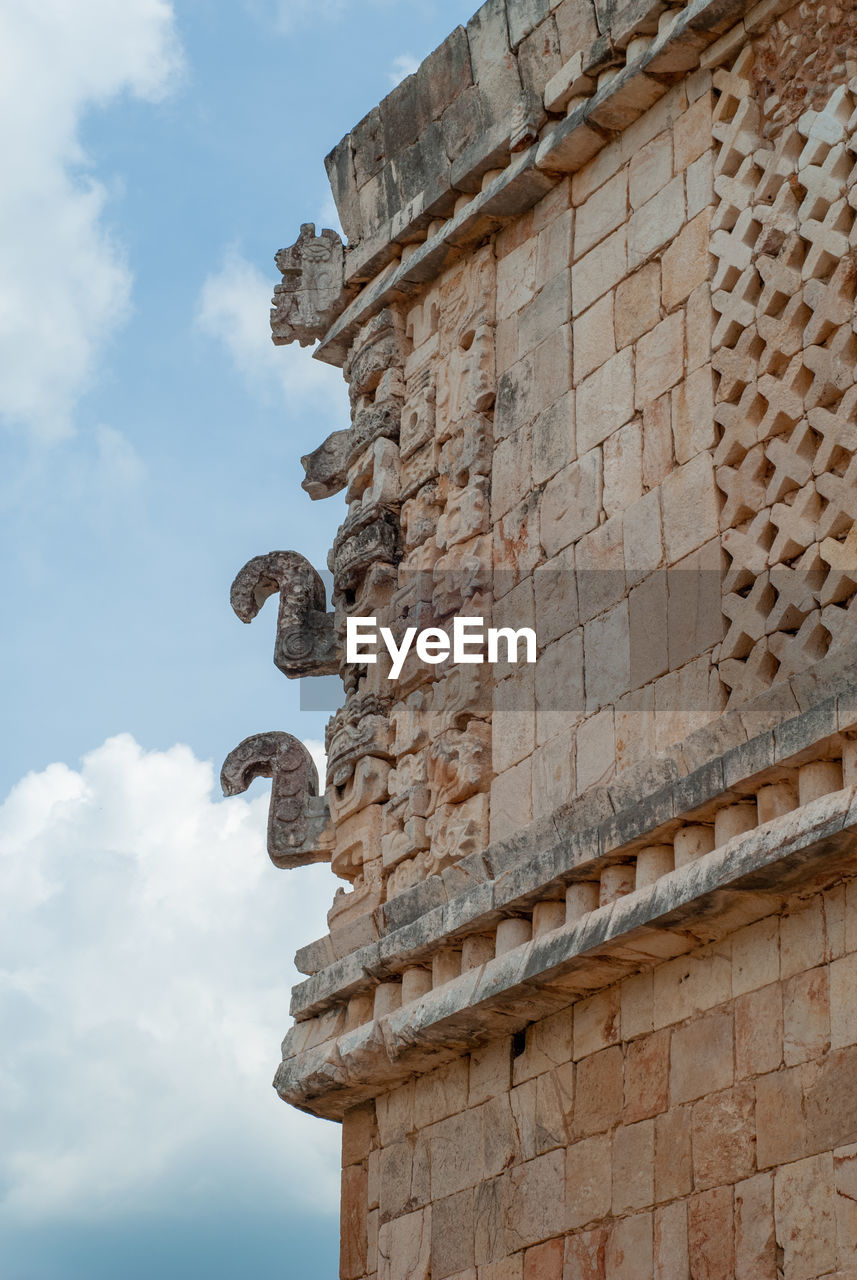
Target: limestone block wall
[
  {"x": 605, "y": 388},
  {"x": 695, "y": 1120},
  {"x": 620, "y": 418}
]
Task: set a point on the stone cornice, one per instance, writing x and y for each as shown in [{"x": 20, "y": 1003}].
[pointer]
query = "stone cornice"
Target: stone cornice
[
  {"x": 747, "y": 879},
  {"x": 412, "y": 247},
  {"x": 721, "y": 762}
]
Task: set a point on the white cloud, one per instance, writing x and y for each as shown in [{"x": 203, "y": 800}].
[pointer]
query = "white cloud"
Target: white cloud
[
  {"x": 403, "y": 66},
  {"x": 316, "y": 750},
  {"x": 234, "y": 307},
  {"x": 64, "y": 282},
  {"x": 328, "y": 216},
  {"x": 144, "y": 979}
]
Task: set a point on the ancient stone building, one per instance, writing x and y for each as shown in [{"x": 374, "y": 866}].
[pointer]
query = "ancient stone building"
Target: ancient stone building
[{"x": 587, "y": 1009}]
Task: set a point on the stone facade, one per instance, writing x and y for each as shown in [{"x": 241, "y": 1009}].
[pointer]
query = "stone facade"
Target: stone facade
[{"x": 587, "y": 1006}]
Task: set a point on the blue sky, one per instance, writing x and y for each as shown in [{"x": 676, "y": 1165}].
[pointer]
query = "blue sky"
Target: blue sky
[{"x": 157, "y": 155}]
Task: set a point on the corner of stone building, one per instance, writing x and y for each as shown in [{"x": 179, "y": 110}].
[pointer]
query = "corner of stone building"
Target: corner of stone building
[{"x": 586, "y": 1008}]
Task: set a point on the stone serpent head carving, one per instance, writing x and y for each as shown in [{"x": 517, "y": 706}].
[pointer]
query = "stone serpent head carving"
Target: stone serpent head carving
[
  {"x": 325, "y": 467},
  {"x": 298, "y": 820},
  {"x": 306, "y": 644}
]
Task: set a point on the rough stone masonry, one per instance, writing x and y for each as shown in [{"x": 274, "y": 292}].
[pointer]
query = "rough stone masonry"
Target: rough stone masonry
[{"x": 587, "y": 1009}]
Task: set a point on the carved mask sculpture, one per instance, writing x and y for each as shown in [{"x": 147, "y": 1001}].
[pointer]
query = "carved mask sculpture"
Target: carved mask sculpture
[
  {"x": 313, "y": 291},
  {"x": 306, "y": 644},
  {"x": 299, "y": 819}
]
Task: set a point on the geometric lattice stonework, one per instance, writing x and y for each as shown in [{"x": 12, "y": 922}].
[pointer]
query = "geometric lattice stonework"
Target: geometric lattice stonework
[{"x": 785, "y": 349}]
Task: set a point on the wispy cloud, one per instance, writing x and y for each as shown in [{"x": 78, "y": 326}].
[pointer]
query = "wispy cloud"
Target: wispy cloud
[
  {"x": 403, "y": 66},
  {"x": 233, "y": 308},
  {"x": 64, "y": 281},
  {"x": 146, "y": 949}
]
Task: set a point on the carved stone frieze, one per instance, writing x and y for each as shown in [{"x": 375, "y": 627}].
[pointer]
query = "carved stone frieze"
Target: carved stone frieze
[
  {"x": 420, "y": 515},
  {"x": 467, "y": 514},
  {"x": 362, "y": 541},
  {"x": 299, "y": 826},
  {"x": 313, "y": 293},
  {"x": 418, "y": 415},
  {"x": 460, "y": 764},
  {"x": 409, "y": 719},
  {"x": 360, "y": 728},
  {"x": 367, "y": 785},
  {"x": 380, "y": 420},
  {"x": 358, "y": 844},
  {"x": 456, "y": 830},
  {"x": 469, "y": 452},
  {"x": 468, "y": 384},
  {"x": 403, "y": 835},
  {"x": 380, "y": 347},
  {"x": 784, "y": 346},
  {"x": 464, "y": 693},
  {"x": 374, "y": 478},
  {"x": 306, "y": 643}
]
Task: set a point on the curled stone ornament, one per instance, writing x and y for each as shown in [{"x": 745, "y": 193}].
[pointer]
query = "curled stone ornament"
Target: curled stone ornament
[
  {"x": 298, "y": 819},
  {"x": 306, "y": 644}
]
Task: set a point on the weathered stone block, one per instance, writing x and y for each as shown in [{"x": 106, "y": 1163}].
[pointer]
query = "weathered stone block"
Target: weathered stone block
[
  {"x": 633, "y": 1167},
  {"x": 724, "y": 1137},
  {"x": 646, "y": 1075},
  {"x": 630, "y": 1248},
  {"x": 353, "y": 1223},
  {"x": 588, "y": 1181},
  {"x": 452, "y": 1235},
  {"x": 605, "y": 401},
  {"x": 600, "y": 270},
  {"x": 571, "y": 503},
  {"x": 599, "y": 1091},
  {"x": 671, "y": 1261},
  {"x": 604, "y": 211},
  {"x": 781, "y": 1134},
  {"x": 701, "y": 1058},
  {"x": 759, "y": 1031},
  {"x": 673, "y": 1158},
  {"x": 535, "y": 1207},
  {"x": 710, "y": 1233},
  {"x": 690, "y": 506},
  {"x": 755, "y": 1240},
  {"x": 806, "y": 1016},
  {"x": 544, "y": 1261},
  {"x": 805, "y": 1216}
]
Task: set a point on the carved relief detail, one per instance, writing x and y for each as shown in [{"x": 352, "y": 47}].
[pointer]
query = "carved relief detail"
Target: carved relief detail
[
  {"x": 312, "y": 293},
  {"x": 408, "y": 768}
]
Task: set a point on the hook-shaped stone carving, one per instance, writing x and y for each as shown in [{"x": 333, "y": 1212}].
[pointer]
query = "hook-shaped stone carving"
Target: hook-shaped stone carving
[
  {"x": 299, "y": 827},
  {"x": 325, "y": 467},
  {"x": 306, "y": 644}
]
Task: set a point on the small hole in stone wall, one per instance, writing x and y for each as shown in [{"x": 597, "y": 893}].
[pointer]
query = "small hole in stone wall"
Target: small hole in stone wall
[
  {"x": 467, "y": 339},
  {"x": 519, "y": 1043}
]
